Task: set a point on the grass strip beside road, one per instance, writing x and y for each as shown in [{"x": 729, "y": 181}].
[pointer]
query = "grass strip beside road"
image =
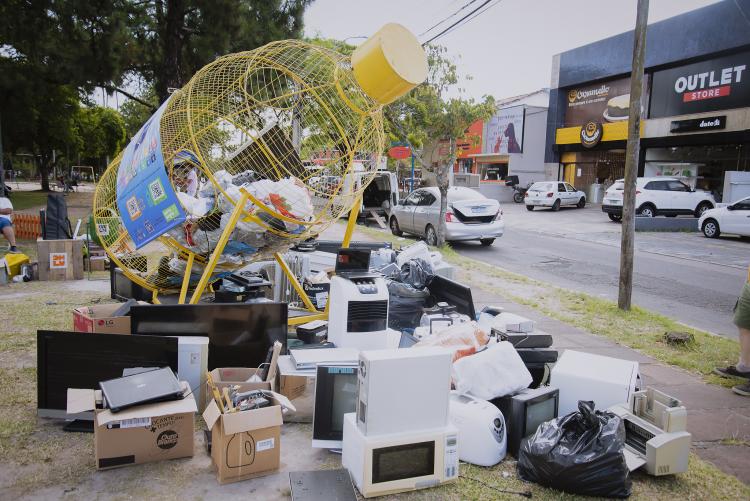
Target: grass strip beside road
[
  {"x": 26, "y": 199},
  {"x": 638, "y": 329}
]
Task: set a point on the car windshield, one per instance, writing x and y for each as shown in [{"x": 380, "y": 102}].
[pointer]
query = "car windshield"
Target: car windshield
[
  {"x": 542, "y": 187},
  {"x": 459, "y": 193}
]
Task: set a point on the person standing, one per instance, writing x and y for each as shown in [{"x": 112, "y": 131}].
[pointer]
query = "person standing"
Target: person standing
[
  {"x": 6, "y": 223},
  {"x": 742, "y": 321}
]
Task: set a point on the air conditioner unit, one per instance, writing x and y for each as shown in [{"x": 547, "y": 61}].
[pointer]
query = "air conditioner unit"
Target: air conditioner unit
[{"x": 358, "y": 313}]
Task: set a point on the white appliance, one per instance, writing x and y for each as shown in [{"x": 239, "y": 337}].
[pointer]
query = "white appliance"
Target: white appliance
[
  {"x": 192, "y": 365},
  {"x": 358, "y": 315},
  {"x": 309, "y": 359},
  {"x": 510, "y": 322},
  {"x": 481, "y": 430},
  {"x": 399, "y": 462},
  {"x": 403, "y": 390},
  {"x": 583, "y": 376},
  {"x": 655, "y": 432}
]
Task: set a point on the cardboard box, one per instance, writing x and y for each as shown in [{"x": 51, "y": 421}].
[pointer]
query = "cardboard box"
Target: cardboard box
[
  {"x": 246, "y": 444},
  {"x": 142, "y": 434},
  {"x": 98, "y": 318},
  {"x": 230, "y": 376},
  {"x": 95, "y": 263},
  {"x": 292, "y": 386},
  {"x": 60, "y": 259}
]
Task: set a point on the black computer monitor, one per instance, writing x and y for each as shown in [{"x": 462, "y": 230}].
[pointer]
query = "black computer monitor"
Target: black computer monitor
[
  {"x": 81, "y": 360},
  {"x": 335, "y": 395},
  {"x": 453, "y": 293},
  {"x": 239, "y": 334}
]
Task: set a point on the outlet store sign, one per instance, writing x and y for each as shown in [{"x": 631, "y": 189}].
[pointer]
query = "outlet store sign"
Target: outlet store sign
[{"x": 718, "y": 84}]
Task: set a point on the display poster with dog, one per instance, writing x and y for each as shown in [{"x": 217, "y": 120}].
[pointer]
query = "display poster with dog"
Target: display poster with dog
[{"x": 505, "y": 131}]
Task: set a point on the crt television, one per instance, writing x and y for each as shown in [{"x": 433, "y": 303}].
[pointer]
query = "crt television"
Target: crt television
[
  {"x": 335, "y": 395},
  {"x": 239, "y": 334},
  {"x": 525, "y": 411},
  {"x": 82, "y": 360}
]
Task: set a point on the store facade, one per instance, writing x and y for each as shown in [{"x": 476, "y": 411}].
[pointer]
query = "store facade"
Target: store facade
[{"x": 696, "y": 105}]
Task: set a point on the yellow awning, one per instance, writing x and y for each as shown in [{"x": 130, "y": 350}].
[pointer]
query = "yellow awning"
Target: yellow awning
[{"x": 615, "y": 131}]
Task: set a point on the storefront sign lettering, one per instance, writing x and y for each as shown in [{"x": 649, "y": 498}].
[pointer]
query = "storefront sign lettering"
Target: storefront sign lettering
[
  {"x": 698, "y": 124},
  {"x": 591, "y": 134}
]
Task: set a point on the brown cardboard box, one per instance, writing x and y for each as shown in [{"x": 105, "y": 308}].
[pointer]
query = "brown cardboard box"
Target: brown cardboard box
[
  {"x": 95, "y": 263},
  {"x": 246, "y": 444},
  {"x": 60, "y": 259},
  {"x": 142, "y": 434},
  {"x": 98, "y": 318},
  {"x": 292, "y": 386},
  {"x": 230, "y": 376}
]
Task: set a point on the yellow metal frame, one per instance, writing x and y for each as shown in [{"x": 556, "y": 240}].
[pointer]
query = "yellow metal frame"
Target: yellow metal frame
[{"x": 314, "y": 314}]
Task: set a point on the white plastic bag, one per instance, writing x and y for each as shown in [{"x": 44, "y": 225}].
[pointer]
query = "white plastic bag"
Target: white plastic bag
[{"x": 492, "y": 373}]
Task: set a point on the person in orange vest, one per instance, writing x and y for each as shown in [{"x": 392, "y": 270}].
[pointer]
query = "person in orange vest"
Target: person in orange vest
[
  {"x": 6, "y": 223},
  {"x": 742, "y": 321}
]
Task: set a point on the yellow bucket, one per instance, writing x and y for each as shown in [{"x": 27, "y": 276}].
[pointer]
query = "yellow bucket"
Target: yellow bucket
[
  {"x": 14, "y": 262},
  {"x": 389, "y": 64}
]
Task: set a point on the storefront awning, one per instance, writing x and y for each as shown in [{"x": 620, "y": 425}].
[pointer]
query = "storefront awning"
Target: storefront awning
[
  {"x": 616, "y": 131},
  {"x": 490, "y": 158}
]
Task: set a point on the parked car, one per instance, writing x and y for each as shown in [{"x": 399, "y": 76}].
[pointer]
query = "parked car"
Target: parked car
[
  {"x": 657, "y": 196},
  {"x": 732, "y": 218},
  {"x": 553, "y": 194},
  {"x": 470, "y": 216}
]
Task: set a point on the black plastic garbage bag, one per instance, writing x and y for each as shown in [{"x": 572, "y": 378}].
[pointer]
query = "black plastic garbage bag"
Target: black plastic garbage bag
[
  {"x": 405, "y": 305},
  {"x": 417, "y": 272},
  {"x": 580, "y": 453}
]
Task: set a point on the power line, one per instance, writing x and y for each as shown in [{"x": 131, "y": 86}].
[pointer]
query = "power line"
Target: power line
[
  {"x": 456, "y": 23},
  {"x": 444, "y": 20},
  {"x": 451, "y": 30}
]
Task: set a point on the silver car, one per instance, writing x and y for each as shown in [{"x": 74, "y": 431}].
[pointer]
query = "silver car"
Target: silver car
[{"x": 470, "y": 216}]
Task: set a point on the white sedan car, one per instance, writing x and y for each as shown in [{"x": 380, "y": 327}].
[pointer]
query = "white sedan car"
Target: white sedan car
[
  {"x": 553, "y": 194},
  {"x": 470, "y": 216},
  {"x": 732, "y": 218}
]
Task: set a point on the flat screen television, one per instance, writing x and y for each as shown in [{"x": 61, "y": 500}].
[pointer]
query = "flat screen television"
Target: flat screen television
[
  {"x": 453, "y": 293},
  {"x": 335, "y": 395},
  {"x": 81, "y": 360},
  {"x": 239, "y": 334}
]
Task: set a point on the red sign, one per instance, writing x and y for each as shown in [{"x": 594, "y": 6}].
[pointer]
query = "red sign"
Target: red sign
[
  {"x": 399, "y": 152},
  {"x": 706, "y": 94}
]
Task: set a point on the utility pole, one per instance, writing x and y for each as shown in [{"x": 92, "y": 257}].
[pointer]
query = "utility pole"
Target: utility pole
[{"x": 631, "y": 159}]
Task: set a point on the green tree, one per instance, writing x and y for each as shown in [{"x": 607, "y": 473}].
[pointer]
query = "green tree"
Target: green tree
[
  {"x": 102, "y": 134},
  {"x": 426, "y": 118},
  {"x": 136, "y": 113}
]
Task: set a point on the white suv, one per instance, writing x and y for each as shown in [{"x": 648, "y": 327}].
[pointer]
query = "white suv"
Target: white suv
[{"x": 656, "y": 196}]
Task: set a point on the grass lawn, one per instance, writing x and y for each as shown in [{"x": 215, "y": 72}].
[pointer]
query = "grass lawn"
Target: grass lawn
[{"x": 27, "y": 199}]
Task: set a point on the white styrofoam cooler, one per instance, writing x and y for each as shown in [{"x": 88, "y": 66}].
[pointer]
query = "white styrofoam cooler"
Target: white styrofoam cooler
[{"x": 582, "y": 376}]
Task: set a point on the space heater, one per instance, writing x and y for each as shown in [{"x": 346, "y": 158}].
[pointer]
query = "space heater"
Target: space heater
[{"x": 358, "y": 314}]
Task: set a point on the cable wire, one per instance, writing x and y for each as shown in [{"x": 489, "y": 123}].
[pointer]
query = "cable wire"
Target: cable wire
[
  {"x": 455, "y": 27},
  {"x": 444, "y": 20},
  {"x": 526, "y": 494},
  {"x": 456, "y": 23}
]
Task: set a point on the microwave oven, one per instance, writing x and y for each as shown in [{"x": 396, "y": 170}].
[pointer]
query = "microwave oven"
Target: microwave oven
[{"x": 399, "y": 462}]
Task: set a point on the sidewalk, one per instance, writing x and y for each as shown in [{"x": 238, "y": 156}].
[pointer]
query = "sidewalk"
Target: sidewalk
[{"x": 718, "y": 419}]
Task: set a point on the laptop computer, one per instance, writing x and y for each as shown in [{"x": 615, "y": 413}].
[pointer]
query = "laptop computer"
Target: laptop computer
[
  {"x": 158, "y": 385},
  {"x": 354, "y": 263}
]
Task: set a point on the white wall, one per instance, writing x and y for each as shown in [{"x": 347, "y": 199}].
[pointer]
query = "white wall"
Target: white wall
[{"x": 529, "y": 165}]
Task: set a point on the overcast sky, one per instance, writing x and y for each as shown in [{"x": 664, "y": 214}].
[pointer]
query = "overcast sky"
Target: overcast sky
[{"x": 508, "y": 49}]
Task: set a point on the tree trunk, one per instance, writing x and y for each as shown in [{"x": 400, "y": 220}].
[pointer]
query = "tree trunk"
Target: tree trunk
[
  {"x": 45, "y": 161},
  {"x": 443, "y": 176},
  {"x": 171, "y": 75}
]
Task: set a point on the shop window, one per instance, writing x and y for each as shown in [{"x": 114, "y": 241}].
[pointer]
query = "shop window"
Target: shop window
[{"x": 494, "y": 172}]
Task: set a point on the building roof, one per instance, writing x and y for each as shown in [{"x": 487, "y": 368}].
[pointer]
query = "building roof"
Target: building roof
[{"x": 519, "y": 99}]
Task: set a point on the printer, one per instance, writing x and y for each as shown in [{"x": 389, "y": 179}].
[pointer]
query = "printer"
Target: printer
[{"x": 655, "y": 432}]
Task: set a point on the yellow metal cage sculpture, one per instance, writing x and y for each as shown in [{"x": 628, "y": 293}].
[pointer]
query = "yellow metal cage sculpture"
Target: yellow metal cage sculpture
[{"x": 263, "y": 149}]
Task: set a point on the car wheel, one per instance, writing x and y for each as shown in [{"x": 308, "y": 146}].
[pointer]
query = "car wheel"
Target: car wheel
[
  {"x": 556, "y": 205},
  {"x": 702, "y": 207},
  {"x": 647, "y": 210},
  {"x": 581, "y": 203},
  {"x": 430, "y": 236},
  {"x": 711, "y": 228},
  {"x": 529, "y": 207},
  {"x": 395, "y": 229},
  {"x": 615, "y": 217},
  {"x": 486, "y": 242}
]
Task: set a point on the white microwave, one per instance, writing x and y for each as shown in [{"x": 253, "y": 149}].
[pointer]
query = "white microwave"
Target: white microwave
[{"x": 399, "y": 462}]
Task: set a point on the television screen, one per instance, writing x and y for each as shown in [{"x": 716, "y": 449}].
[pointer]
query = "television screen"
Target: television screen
[
  {"x": 539, "y": 412},
  {"x": 81, "y": 360},
  {"x": 239, "y": 334},
  {"x": 335, "y": 395}
]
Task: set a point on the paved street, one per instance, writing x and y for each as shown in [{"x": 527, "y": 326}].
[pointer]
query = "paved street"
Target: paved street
[{"x": 682, "y": 275}]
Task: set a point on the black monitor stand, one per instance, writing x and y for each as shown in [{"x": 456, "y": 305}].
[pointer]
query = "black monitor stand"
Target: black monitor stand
[{"x": 79, "y": 426}]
